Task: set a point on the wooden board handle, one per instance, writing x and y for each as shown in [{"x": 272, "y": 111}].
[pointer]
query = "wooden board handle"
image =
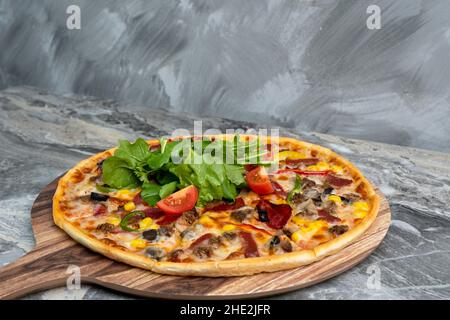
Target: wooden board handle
[{"x": 32, "y": 272}]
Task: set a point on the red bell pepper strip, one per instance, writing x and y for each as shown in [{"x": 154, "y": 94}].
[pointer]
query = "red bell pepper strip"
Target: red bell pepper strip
[{"x": 305, "y": 173}]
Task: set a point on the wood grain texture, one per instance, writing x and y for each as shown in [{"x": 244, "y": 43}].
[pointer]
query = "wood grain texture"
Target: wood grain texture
[{"x": 46, "y": 265}]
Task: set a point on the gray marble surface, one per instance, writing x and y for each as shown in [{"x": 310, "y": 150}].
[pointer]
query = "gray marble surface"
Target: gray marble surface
[
  {"x": 308, "y": 65},
  {"x": 42, "y": 135}
]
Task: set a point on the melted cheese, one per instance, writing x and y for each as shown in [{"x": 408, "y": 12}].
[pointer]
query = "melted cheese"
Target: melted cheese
[{"x": 308, "y": 232}]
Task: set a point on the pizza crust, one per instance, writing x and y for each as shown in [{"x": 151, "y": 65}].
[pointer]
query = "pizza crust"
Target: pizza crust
[{"x": 238, "y": 267}]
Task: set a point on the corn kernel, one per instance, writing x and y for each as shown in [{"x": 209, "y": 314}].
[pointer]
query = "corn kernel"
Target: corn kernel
[
  {"x": 335, "y": 198},
  {"x": 145, "y": 223},
  {"x": 277, "y": 200},
  {"x": 296, "y": 236},
  {"x": 361, "y": 205},
  {"x": 126, "y": 194},
  {"x": 292, "y": 155},
  {"x": 113, "y": 220},
  {"x": 138, "y": 243},
  {"x": 129, "y": 206},
  {"x": 298, "y": 220},
  {"x": 314, "y": 226},
  {"x": 228, "y": 227},
  {"x": 322, "y": 166},
  {"x": 123, "y": 192},
  {"x": 319, "y": 166},
  {"x": 204, "y": 220},
  {"x": 360, "y": 214},
  {"x": 337, "y": 169}
]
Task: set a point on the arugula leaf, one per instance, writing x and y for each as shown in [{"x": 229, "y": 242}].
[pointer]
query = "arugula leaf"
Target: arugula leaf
[
  {"x": 165, "y": 177},
  {"x": 163, "y": 143},
  {"x": 297, "y": 189},
  {"x": 133, "y": 153},
  {"x": 229, "y": 190},
  {"x": 167, "y": 189},
  {"x": 150, "y": 193},
  {"x": 117, "y": 174},
  {"x": 104, "y": 188},
  {"x": 133, "y": 164},
  {"x": 235, "y": 174},
  {"x": 142, "y": 172},
  {"x": 161, "y": 157},
  {"x": 215, "y": 181},
  {"x": 126, "y": 167}
]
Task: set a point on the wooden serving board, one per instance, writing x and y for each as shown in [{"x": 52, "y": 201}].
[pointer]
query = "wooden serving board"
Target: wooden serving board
[{"x": 46, "y": 265}]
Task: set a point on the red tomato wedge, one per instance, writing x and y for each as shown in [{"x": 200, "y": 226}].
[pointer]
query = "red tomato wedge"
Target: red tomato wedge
[
  {"x": 259, "y": 181},
  {"x": 180, "y": 201}
]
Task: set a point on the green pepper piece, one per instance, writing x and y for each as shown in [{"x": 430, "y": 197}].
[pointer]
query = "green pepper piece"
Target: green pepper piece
[{"x": 126, "y": 219}]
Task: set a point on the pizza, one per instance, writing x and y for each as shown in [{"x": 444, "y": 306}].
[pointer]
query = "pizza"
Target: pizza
[{"x": 191, "y": 216}]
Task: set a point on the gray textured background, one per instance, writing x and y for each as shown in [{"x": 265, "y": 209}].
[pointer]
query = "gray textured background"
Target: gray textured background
[{"x": 310, "y": 65}]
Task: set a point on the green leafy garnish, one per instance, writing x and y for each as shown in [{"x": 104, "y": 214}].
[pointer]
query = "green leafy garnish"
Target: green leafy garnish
[
  {"x": 161, "y": 157},
  {"x": 167, "y": 189},
  {"x": 118, "y": 174},
  {"x": 104, "y": 188},
  {"x": 207, "y": 165},
  {"x": 133, "y": 153},
  {"x": 150, "y": 193}
]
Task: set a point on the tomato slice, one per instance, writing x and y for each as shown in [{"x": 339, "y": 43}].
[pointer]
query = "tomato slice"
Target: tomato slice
[
  {"x": 180, "y": 201},
  {"x": 259, "y": 181}
]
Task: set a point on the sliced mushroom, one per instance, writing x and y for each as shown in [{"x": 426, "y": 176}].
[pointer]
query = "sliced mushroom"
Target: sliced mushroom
[
  {"x": 174, "y": 256},
  {"x": 203, "y": 252},
  {"x": 330, "y": 207},
  {"x": 166, "y": 231},
  {"x": 307, "y": 207},
  {"x": 351, "y": 197},
  {"x": 215, "y": 242},
  {"x": 106, "y": 227},
  {"x": 286, "y": 245},
  {"x": 338, "y": 229},
  {"x": 311, "y": 194},
  {"x": 240, "y": 214},
  {"x": 155, "y": 253},
  {"x": 189, "y": 217},
  {"x": 229, "y": 236}
]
